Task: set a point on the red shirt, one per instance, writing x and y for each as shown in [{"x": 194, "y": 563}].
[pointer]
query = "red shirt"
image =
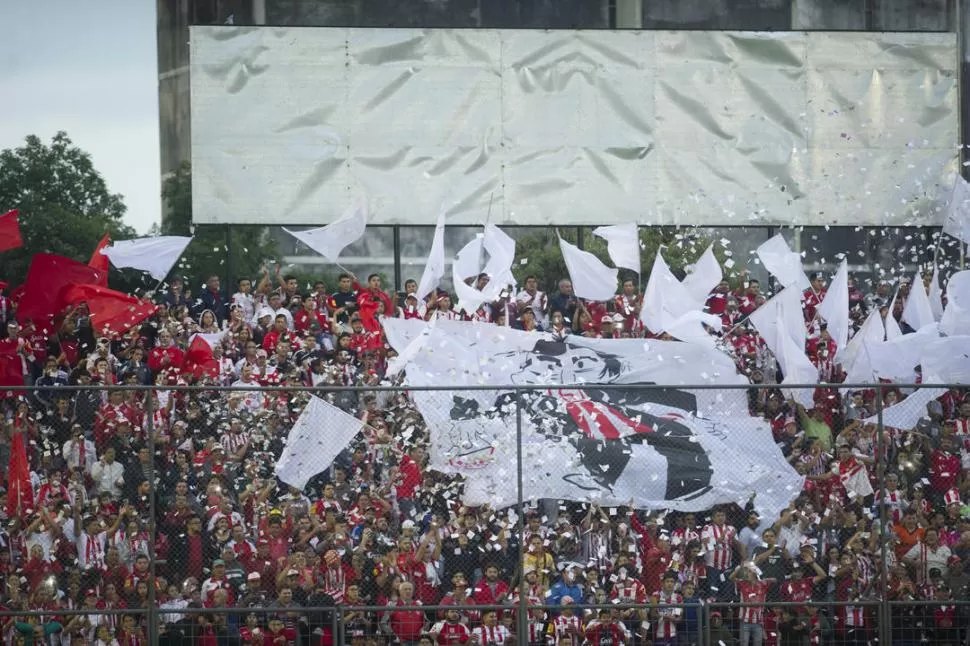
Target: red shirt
[
  {"x": 410, "y": 477},
  {"x": 196, "y": 558},
  {"x": 175, "y": 356},
  {"x": 945, "y": 470},
  {"x": 797, "y": 590},
  {"x": 285, "y": 637},
  {"x": 407, "y": 624},
  {"x": 456, "y": 633}
]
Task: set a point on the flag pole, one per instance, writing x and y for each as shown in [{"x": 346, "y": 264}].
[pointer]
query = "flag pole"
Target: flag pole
[{"x": 481, "y": 249}]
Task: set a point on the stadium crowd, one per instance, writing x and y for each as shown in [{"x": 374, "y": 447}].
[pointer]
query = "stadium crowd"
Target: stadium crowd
[{"x": 382, "y": 529}]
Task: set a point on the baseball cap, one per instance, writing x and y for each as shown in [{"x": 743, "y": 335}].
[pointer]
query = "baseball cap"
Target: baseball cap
[
  {"x": 253, "y": 576},
  {"x": 218, "y": 562}
]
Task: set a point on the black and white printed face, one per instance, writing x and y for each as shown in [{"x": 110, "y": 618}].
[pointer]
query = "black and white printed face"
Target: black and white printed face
[{"x": 576, "y": 365}]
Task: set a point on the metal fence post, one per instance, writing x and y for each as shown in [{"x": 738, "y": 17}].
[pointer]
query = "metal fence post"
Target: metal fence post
[
  {"x": 337, "y": 626},
  {"x": 149, "y": 405},
  {"x": 884, "y": 630},
  {"x": 522, "y": 620},
  {"x": 704, "y": 613}
]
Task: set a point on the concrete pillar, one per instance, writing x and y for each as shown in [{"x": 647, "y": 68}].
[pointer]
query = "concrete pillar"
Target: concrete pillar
[{"x": 259, "y": 12}]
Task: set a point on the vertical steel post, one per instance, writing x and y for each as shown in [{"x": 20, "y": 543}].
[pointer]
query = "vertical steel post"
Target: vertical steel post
[
  {"x": 522, "y": 619},
  {"x": 149, "y": 406},
  {"x": 397, "y": 258},
  {"x": 885, "y": 632}
]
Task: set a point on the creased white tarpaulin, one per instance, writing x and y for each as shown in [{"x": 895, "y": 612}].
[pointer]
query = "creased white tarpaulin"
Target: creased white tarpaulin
[
  {"x": 482, "y": 447},
  {"x": 563, "y": 127}
]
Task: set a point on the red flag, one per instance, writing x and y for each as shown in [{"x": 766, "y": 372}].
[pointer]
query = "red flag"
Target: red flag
[
  {"x": 47, "y": 277},
  {"x": 99, "y": 261},
  {"x": 20, "y": 495},
  {"x": 10, "y": 231},
  {"x": 199, "y": 359},
  {"x": 112, "y": 312},
  {"x": 11, "y": 367}
]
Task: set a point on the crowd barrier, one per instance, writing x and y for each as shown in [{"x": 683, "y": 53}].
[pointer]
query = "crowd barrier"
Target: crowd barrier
[{"x": 154, "y": 580}]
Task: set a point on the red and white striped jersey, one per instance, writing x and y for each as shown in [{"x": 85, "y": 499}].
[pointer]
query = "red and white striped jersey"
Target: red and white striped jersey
[
  {"x": 755, "y": 592},
  {"x": 718, "y": 543},
  {"x": 855, "y": 616},
  {"x": 629, "y": 591},
  {"x": 683, "y": 535},
  {"x": 491, "y": 635},
  {"x": 564, "y": 627},
  {"x": 666, "y": 624},
  {"x": 232, "y": 442},
  {"x": 537, "y": 632},
  {"x": 896, "y": 501}
]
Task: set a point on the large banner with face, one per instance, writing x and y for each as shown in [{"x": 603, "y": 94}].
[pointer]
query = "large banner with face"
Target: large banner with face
[{"x": 595, "y": 425}]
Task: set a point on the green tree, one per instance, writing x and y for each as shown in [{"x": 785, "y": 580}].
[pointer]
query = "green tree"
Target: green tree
[
  {"x": 220, "y": 250},
  {"x": 64, "y": 203}
]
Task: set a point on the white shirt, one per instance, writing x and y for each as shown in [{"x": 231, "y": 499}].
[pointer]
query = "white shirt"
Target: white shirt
[
  {"x": 751, "y": 539},
  {"x": 71, "y": 452},
  {"x": 246, "y": 303},
  {"x": 106, "y": 477}
]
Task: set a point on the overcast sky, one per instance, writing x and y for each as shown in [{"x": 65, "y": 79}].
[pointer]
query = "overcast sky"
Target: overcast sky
[{"x": 88, "y": 68}]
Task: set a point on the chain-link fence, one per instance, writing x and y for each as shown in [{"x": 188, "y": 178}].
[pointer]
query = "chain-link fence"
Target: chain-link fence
[{"x": 605, "y": 514}]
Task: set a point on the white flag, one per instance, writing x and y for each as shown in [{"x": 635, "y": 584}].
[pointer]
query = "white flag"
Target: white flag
[
  {"x": 872, "y": 331},
  {"x": 856, "y": 481},
  {"x": 468, "y": 265},
  {"x": 957, "y": 222},
  {"x": 330, "y": 240},
  {"x": 319, "y": 435},
  {"x": 835, "y": 308},
  {"x": 908, "y": 412},
  {"x": 155, "y": 255},
  {"x": 705, "y": 276},
  {"x": 917, "y": 312},
  {"x": 936, "y": 295},
  {"x": 622, "y": 244},
  {"x": 956, "y": 316},
  {"x": 781, "y": 316},
  {"x": 647, "y": 446},
  {"x": 668, "y": 306},
  {"x": 796, "y": 369},
  {"x": 434, "y": 268},
  {"x": 896, "y": 359},
  {"x": 892, "y": 325},
  {"x": 501, "y": 251},
  {"x": 591, "y": 278},
  {"x": 468, "y": 260},
  {"x": 783, "y": 263},
  {"x": 946, "y": 360}
]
